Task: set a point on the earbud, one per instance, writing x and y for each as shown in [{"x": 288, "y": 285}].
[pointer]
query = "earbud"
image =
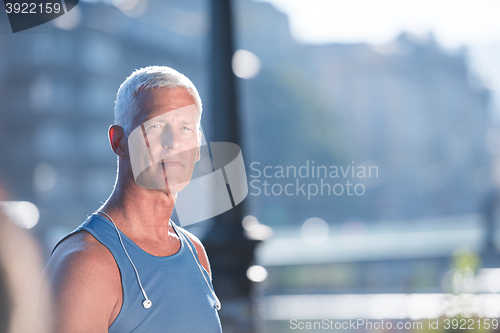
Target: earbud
[
  {"x": 217, "y": 303},
  {"x": 147, "y": 304}
]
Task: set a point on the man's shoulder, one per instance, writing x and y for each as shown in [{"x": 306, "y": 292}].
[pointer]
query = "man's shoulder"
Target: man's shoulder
[
  {"x": 81, "y": 252},
  {"x": 83, "y": 269}
]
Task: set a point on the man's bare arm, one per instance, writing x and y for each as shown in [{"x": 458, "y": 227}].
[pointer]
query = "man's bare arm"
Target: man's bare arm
[{"x": 86, "y": 285}]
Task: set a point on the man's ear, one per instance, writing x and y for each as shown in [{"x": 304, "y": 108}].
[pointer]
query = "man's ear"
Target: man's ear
[{"x": 117, "y": 140}]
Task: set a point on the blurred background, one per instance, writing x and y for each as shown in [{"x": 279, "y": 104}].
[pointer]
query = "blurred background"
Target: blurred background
[{"x": 409, "y": 92}]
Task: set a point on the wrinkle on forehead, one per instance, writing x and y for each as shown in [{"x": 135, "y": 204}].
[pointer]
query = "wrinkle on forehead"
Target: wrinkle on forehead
[{"x": 165, "y": 98}]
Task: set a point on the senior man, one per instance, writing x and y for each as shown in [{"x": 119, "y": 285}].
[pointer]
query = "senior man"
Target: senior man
[{"x": 128, "y": 267}]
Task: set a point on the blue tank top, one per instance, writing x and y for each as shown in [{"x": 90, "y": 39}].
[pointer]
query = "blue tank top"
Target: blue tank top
[{"x": 182, "y": 300}]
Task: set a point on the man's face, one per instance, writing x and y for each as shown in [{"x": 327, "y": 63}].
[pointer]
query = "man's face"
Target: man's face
[{"x": 165, "y": 145}]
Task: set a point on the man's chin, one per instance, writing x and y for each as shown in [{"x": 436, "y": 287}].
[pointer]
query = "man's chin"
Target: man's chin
[{"x": 160, "y": 183}]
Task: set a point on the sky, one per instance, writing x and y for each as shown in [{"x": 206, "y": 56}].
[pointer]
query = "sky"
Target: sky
[{"x": 453, "y": 22}]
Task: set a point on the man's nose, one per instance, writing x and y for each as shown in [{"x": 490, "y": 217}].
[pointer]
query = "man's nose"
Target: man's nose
[{"x": 170, "y": 139}]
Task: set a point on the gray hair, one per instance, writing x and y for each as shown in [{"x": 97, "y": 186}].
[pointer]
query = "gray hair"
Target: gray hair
[{"x": 126, "y": 105}]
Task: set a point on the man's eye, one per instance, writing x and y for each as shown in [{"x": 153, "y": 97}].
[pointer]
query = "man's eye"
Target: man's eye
[
  {"x": 185, "y": 128},
  {"x": 154, "y": 126}
]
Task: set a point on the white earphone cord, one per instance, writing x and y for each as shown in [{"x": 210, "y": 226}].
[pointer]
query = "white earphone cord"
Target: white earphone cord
[
  {"x": 217, "y": 302},
  {"x": 148, "y": 301}
]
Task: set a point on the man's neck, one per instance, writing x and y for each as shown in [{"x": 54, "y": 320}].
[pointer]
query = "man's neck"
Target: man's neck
[{"x": 141, "y": 213}]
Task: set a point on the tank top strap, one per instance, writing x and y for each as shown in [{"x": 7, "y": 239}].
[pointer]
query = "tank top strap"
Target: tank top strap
[
  {"x": 184, "y": 238},
  {"x": 79, "y": 228}
]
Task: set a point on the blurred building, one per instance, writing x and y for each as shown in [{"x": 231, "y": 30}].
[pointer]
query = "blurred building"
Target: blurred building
[
  {"x": 409, "y": 107},
  {"x": 415, "y": 110}
]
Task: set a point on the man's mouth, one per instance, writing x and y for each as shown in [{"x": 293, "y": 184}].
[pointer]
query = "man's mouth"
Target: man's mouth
[{"x": 171, "y": 163}]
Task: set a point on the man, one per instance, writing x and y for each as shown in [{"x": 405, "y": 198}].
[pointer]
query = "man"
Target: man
[{"x": 129, "y": 267}]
